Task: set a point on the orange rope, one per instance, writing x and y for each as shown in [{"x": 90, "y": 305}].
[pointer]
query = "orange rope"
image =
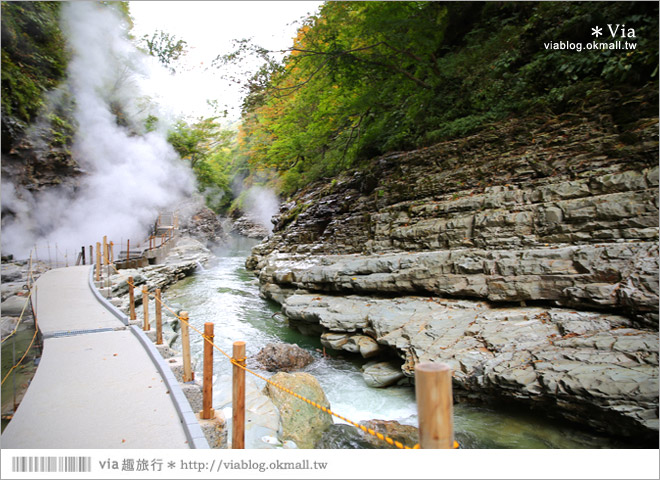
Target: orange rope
[
  {"x": 22, "y": 358},
  {"x": 36, "y": 331}
]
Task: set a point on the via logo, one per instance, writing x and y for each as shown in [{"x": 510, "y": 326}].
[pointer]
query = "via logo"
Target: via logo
[{"x": 615, "y": 30}]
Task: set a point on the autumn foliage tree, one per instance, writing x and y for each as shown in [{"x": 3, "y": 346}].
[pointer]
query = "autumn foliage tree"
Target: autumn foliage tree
[{"x": 365, "y": 78}]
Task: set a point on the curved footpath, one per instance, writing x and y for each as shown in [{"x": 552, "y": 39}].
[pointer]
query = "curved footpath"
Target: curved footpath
[{"x": 100, "y": 383}]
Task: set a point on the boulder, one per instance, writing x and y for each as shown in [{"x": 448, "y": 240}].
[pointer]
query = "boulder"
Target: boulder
[
  {"x": 301, "y": 422},
  {"x": 382, "y": 374},
  {"x": 405, "y": 434},
  {"x": 365, "y": 346},
  {"x": 283, "y": 357},
  {"x": 334, "y": 340},
  {"x": 341, "y": 436}
]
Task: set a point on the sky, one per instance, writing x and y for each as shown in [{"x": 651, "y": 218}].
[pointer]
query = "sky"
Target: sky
[{"x": 209, "y": 27}]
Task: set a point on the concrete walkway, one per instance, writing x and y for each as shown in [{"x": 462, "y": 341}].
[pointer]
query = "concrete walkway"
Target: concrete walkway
[{"x": 96, "y": 386}]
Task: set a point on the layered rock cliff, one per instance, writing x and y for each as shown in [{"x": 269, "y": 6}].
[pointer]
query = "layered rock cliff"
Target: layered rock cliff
[{"x": 526, "y": 257}]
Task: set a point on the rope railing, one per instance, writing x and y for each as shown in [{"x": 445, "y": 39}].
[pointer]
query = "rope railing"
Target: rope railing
[
  {"x": 28, "y": 301},
  {"x": 239, "y": 363}
]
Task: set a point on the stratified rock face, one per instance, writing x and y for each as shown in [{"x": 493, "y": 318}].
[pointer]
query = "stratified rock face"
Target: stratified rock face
[
  {"x": 283, "y": 357},
  {"x": 244, "y": 225},
  {"x": 301, "y": 422},
  {"x": 592, "y": 366},
  {"x": 552, "y": 227},
  {"x": 204, "y": 225}
]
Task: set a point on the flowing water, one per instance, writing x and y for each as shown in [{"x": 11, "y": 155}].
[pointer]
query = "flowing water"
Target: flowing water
[{"x": 226, "y": 293}]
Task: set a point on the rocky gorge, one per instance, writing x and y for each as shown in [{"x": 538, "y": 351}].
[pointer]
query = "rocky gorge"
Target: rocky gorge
[{"x": 525, "y": 257}]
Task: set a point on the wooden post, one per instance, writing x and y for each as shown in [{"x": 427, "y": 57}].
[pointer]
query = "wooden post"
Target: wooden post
[
  {"x": 185, "y": 343},
  {"x": 98, "y": 261},
  {"x": 105, "y": 249},
  {"x": 434, "y": 405},
  {"x": 159, "y": 319},
  {"x": 128, "y": 250},
  {"x": 112, "y": 253},
  {"x": 145, "y": 305},
  {"x": 131, "y": 298},
  {"x": 238, "y": 397},
  {"x": 207, "y": 388},
  {"x": 82, "y": 252},
  {"x": 91, "y": 255}
]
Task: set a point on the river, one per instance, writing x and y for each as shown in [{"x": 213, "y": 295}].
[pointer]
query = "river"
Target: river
[{"x": 226, "y": 293}]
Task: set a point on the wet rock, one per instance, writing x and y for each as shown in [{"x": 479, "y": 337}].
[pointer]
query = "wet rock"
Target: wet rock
[
  {"x": 334, "y": 340},
  {"x": 13, "y": 306},
  {"x": 11, "y": 273},
  {"x": 301, "y": 422},
  {"x": 365, "y": 346},
  {"x": 188, "y": 251},
  {"x": 283, "y": 357},
  {"x": 204, "y": 225},
  {"x": 594, "y": 365},
  {"x": 382, "y": 374},
  {"x": 340, "y": 436},
  {"x": 247, "y": 227},
  {"x": 407, "y": 435}
]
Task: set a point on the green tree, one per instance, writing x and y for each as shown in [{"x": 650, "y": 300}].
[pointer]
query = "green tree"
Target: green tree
[
  {"x": 209, "y": 149},
  {"x": 365, "y": 78},
  {"x": 34, "y": 61}
]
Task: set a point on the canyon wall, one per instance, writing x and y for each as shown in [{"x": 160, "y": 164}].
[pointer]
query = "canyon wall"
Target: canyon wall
[{"x": 525, "y": 256}]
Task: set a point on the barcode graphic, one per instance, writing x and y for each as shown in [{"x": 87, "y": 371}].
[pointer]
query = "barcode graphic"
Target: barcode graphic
[{"x": 51, "y": 464}]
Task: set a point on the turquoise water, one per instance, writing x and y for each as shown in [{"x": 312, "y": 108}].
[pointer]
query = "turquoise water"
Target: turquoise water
[{"x": 227, "y": 294}]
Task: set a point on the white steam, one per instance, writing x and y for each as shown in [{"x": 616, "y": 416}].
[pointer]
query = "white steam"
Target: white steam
[
  {"x": 260, "y": 205},
  {"x": 130, "y": 177}
]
